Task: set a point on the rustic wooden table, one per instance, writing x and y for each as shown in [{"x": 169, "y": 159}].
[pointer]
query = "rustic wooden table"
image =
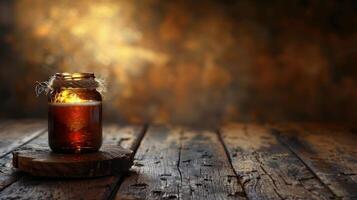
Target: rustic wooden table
[{"x": 238, "y": 161}]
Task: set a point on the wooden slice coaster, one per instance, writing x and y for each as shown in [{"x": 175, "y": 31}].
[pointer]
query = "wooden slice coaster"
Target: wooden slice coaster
[{"x": 39, "y": 160}]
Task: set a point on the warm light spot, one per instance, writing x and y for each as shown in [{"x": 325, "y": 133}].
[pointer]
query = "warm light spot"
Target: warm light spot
[
  {"x": 42, "y": 30},
  {"x": 68, "y": 96},
  {"x": 101, "y": 34}
]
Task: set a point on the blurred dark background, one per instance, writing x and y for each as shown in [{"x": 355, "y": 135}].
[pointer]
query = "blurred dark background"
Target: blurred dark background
[{"x": 187, "y": 62}]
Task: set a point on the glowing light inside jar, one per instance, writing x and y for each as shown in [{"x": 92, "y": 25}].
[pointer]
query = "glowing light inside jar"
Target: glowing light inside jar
[
  {"x": 68, "y": 96},
  {"x": 75, "y": 113}
]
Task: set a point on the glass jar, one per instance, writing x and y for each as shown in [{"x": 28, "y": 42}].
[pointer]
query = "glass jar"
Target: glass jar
[{"x": 74, "y": 114}]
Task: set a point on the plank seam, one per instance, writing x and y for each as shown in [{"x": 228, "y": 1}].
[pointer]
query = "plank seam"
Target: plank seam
[
  {"x": 178, "y": 165},
  {"x": 121, "y": 177},
  {"x": 30, "y": 138},
  {"x": 140, "y": 138},
  {"x": 35, "y": 135},
  {"x": 267, "y": 173},
  {"x": 220, "y": 138},
  {"x": 278, "y": 135}
]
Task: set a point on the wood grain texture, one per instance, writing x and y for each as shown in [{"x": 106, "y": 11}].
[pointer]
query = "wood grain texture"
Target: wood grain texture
[
  {"x": 38, "y": 160},
  {"x": 206, "y": 169},
  {"x": 29, "y": 187},
  {"x": 294, "y": 161},
  {"x": 179, "y": 164},
  {"x": 155, "y": 171},
  {"x": 15, "y": 133},
  {"x": 266, "y": 168},
  {"x": 330, "y": 151}
]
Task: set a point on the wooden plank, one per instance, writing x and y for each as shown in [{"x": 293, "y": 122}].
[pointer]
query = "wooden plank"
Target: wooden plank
[
  {"x": 206, "y": 169},
  {"x": 329, "y": 151},
  {"x": 15, "y": 133},
  {"x": 28, "y": 187},
  {"x": 155, "y": 167},
  {"x": 178, "y": 164},
  {"x": 266, "y": 168}
]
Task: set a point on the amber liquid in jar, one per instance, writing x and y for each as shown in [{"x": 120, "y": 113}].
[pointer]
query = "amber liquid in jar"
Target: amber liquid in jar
[{"x": 75, "y": 118}]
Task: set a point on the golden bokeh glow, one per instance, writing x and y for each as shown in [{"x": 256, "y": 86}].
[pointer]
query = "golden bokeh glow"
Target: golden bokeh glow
[
  {"x": 86, "y": 36},
  {"x": 190, "y": 62}
]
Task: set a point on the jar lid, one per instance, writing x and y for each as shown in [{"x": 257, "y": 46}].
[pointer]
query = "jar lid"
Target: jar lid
[
  {"x": 71, "y": 80},
  {"x": 74, "y": 76}
]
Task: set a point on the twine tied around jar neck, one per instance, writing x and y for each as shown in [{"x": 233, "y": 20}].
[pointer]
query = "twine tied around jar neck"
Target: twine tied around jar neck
[{"x": 70, "y": 80}]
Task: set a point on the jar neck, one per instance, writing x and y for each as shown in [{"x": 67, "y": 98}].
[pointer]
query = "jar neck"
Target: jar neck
[{"x": 76, "y": 89}]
